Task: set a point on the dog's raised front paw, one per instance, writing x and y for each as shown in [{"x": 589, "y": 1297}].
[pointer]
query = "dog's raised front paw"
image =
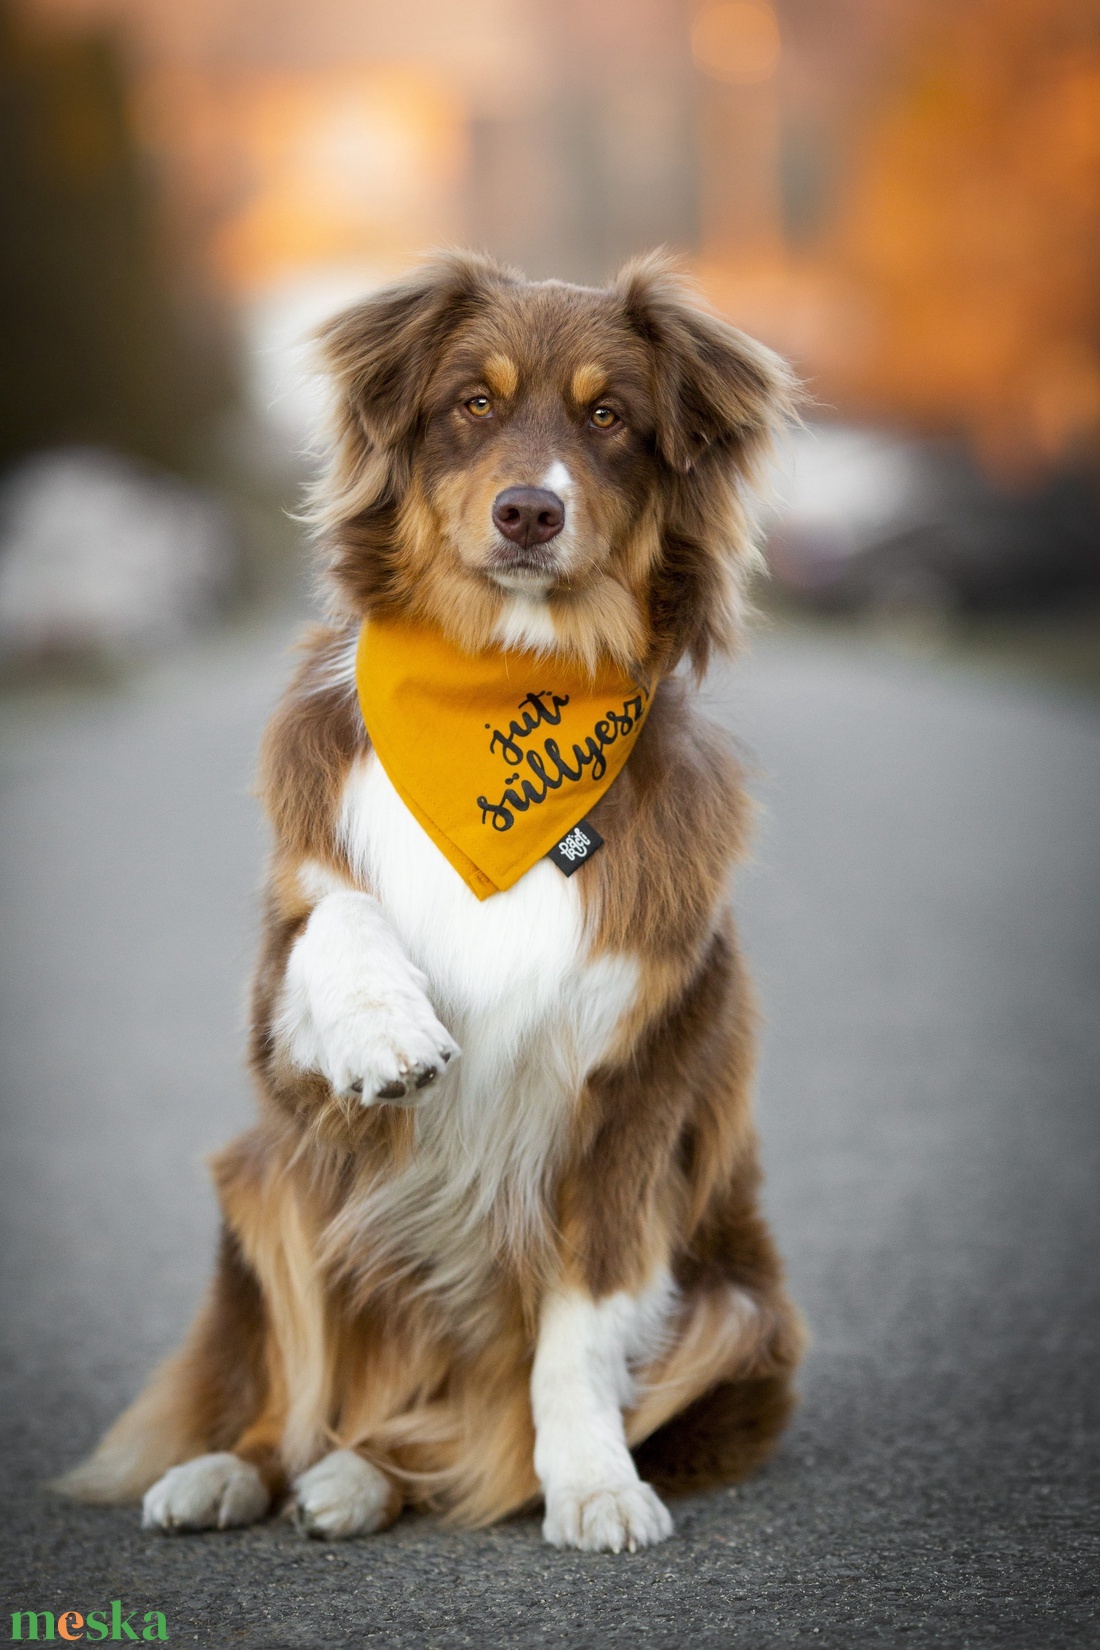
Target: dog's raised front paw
[
  {"x": 357, "y": 1011},
  {"x": 625, "y": 1517},
  {"x": 391, "y": 1051},
  {"x": 343, "y": 1495},
  {"x": 211, "y": 1492}
]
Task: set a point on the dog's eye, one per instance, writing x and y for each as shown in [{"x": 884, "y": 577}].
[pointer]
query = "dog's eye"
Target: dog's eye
[
  {"x": 479, "y": 406},
  {"x": 604, "y": 419}
]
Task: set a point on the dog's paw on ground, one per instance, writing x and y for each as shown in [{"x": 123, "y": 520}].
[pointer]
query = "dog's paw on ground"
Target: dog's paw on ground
[
  {"x": 211, "y": 1492},
  {"x": 606, "y": 1520},
  {"x": 343, "y": 1495}
]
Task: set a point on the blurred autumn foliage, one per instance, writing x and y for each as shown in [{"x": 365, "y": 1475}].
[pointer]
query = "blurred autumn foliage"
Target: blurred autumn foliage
[
  {"x": 973, "y": 225},
  {"x": 902, "y": 195},
  {"x": 97, "y": 343}
]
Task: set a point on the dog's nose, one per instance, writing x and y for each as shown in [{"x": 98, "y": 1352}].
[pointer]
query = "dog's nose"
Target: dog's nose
[{"x": 528, "y": 515}]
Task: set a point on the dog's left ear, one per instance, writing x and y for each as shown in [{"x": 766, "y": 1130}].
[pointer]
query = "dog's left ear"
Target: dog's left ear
[
  {"x": 719, "y": 398},
  {"x": 715, "y": 387}
]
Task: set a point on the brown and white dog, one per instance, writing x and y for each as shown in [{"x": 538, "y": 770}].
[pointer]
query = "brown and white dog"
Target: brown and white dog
[{"x": 543, "y": 1274}]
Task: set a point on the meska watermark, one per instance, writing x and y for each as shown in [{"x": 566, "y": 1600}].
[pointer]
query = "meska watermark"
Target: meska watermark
[{"x": 96, "y": 1625}]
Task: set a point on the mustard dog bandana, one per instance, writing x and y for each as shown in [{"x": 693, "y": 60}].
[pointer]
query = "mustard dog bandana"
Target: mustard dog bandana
[{"x": 498, "y": 755}]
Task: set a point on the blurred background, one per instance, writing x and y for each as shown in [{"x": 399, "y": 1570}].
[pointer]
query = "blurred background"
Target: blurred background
[{"x": 902, "y": 196}]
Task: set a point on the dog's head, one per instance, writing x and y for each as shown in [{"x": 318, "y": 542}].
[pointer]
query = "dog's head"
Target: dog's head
[{"x": 537, "y": 464}]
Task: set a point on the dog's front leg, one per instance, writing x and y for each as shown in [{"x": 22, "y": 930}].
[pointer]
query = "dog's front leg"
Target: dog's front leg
[
  {"x": 354, "y": 1008},
  {"x": 580, "y": 1384}
]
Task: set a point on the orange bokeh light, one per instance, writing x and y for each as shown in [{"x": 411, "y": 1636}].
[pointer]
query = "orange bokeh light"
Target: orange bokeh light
[{"x": 737, "y": 41}]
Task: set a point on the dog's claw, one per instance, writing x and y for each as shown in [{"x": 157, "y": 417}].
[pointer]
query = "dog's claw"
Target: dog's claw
[{"x": 419, "y": 1076}]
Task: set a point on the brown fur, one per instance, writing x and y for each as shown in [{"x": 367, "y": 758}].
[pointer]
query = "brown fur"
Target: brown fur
[{"x": 308, "y": 1341}]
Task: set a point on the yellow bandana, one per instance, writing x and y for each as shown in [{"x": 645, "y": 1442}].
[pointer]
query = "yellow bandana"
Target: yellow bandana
[{"x": 498, "y": 755}]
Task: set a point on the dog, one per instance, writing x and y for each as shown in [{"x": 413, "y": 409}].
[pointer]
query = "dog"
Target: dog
[{"x": 495, "y": 1238}]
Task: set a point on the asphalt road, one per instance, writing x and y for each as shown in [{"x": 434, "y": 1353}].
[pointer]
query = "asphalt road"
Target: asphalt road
[{"x": 923, "y": 918}]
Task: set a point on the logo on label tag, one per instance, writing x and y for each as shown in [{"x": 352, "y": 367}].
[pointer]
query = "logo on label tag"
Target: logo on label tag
[{"x": 575, "y": 847}]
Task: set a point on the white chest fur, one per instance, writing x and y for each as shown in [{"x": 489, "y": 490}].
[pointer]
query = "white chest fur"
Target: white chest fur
[
  {"x": 511, "y": 978},
  {"x": 513, "y": 949}
]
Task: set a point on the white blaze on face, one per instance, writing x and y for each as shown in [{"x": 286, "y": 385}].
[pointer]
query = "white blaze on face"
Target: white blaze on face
[{"x": 558, "y": 480}]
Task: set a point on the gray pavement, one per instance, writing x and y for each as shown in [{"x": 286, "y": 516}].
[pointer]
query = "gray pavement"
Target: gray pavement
[{"x": 923, "y": 917}]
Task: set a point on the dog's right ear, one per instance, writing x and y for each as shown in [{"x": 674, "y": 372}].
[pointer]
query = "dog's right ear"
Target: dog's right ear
[
  {"x": 379, "y": 354},
  {"x": 379, "y": 357}
]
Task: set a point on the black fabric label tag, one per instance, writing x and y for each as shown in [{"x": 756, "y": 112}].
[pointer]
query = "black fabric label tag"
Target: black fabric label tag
[{"x": 575, "y": 847}]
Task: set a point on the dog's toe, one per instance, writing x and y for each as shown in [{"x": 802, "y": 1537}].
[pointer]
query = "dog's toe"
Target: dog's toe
[
  {"x": 396, "y": 1090},
  {"x": 420, "y": 1074},
  {"x": 218, "y": 1491},
  {"x": 343, "y": 1496}
]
